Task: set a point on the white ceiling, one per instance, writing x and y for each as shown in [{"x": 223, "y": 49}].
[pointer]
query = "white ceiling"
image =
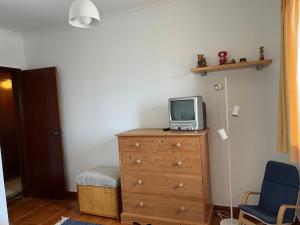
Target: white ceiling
[{"x": 24, "y": 16}]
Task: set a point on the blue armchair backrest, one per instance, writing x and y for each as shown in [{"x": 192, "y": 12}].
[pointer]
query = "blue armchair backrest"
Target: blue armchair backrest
[{"x": 280, "y": 186}]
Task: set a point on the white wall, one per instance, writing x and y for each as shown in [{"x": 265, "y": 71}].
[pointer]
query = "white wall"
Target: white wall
[
  {"x": 11, "y": 55},
  {"x": 119, "y": 76},
  {"x": 11, "y": 49},
  {"x": 3, "y": 208}
]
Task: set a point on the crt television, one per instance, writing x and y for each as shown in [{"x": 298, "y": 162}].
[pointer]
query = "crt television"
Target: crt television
[{"x": 187, "y": 113}]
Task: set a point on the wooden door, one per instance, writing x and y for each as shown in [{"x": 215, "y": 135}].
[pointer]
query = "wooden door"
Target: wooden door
[{"x": 42, "y": 135}]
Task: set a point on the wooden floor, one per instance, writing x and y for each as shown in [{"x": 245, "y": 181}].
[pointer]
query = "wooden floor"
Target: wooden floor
[{"x": 27, "y": 211}]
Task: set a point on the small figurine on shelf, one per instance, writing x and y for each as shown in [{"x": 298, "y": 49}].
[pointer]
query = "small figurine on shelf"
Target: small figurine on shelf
[
  {"x": 201, "y": 61},
  {"x": 222, "y": 55},
  {"x": 243, "y": 60},
  {"x": 261, "y": 53},
  {"x": 232, "y": 61}
]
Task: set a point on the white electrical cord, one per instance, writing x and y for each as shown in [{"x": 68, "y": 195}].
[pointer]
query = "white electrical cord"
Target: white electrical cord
[{"x": 222, "y": 214}]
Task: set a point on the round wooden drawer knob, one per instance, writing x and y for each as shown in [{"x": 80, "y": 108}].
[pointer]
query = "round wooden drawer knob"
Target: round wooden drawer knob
[
  {"x": 178, "y": 145},
  {"x": 138, "y": 161},
  {"x": 137, "y": 144},
  {"x": 179, "y": 163},
  {"x": 141, "y": 204},
  {"x": 140, "y": 182},
  {"x": 182, "y": 209},
  {"x": 180, "y": 185}
]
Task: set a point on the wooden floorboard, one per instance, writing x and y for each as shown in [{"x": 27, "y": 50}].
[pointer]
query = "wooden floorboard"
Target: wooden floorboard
[{"x": 28, "y": 211}]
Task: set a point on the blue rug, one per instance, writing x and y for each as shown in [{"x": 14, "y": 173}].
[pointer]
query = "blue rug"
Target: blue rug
[
  {"x": 73, "y": 222},
  {"x": 67, "y": 221}
]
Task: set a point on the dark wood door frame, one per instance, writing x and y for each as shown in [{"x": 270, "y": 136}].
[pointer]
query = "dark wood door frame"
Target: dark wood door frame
[
  {"x": 15, "y": 73},
  {"x": 22, "y": 95}
]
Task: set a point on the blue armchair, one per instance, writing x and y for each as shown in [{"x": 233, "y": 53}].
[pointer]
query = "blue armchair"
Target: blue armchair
[{"x": 278, "y": 196}]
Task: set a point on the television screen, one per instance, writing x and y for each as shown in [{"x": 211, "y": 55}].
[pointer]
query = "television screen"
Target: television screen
[{"x": 182, "y": 110}]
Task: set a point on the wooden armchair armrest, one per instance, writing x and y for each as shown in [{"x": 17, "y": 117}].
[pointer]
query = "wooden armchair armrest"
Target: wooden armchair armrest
[
  {"x": 281, "y": 212},
  {"x": 247, "y": 194}
]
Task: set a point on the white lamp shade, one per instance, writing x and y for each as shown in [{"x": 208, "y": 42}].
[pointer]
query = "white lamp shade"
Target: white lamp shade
[
  {"x": 83, "y": 14},
  {"x": 223, "y": 134},
  {"x": 236, "y": 110}
]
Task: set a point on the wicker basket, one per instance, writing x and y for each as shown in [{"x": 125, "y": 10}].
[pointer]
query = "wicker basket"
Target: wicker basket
[{"x": 100, "y": 201}]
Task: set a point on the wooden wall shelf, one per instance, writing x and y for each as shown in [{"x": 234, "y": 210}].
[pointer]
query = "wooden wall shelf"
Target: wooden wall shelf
[{"x": 258, "y": 64}]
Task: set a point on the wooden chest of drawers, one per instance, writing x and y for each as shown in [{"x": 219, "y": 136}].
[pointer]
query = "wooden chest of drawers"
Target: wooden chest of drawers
[{"x": 165, "y": 177}]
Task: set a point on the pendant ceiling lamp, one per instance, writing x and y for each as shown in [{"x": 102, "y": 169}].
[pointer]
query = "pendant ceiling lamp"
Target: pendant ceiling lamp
[{"x": 83, "y": 14}]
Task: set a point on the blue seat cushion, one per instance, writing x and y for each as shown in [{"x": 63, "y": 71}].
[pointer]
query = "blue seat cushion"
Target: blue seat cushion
[
  {"x": 280, "y": 187},
  {"x": 263, "y": 215},
  {"x": 282, "y": 173},
  {"x": 273, "y": 195}
]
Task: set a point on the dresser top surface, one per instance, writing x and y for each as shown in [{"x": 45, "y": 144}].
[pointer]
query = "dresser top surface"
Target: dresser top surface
[{"x": 160, "y": 132}]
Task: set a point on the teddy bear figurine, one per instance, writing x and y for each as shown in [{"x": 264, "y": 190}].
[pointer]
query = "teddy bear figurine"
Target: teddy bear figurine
[
  {"x": 222, "y": 55},
  {"x": 261, "y": 53},
  {"x": 201, "y": 60}
]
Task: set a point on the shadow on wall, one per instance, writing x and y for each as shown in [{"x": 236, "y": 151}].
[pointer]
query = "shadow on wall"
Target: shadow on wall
[
  {"x": 98, "y": 154},
  {"x": 154, "y": 117}
]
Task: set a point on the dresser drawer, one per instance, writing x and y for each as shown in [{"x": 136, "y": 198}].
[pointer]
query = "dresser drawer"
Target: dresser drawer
[
  {"x": 176, "y": 209},
  {"x": 179, "y": 163},
  {"x": 168, "y": 162},
  {"x": 136, "y": 144},
  {"x": 137, "y": 162},
  {"x": 179, "y": 144},
  {"x": 180, "y": 185}
]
